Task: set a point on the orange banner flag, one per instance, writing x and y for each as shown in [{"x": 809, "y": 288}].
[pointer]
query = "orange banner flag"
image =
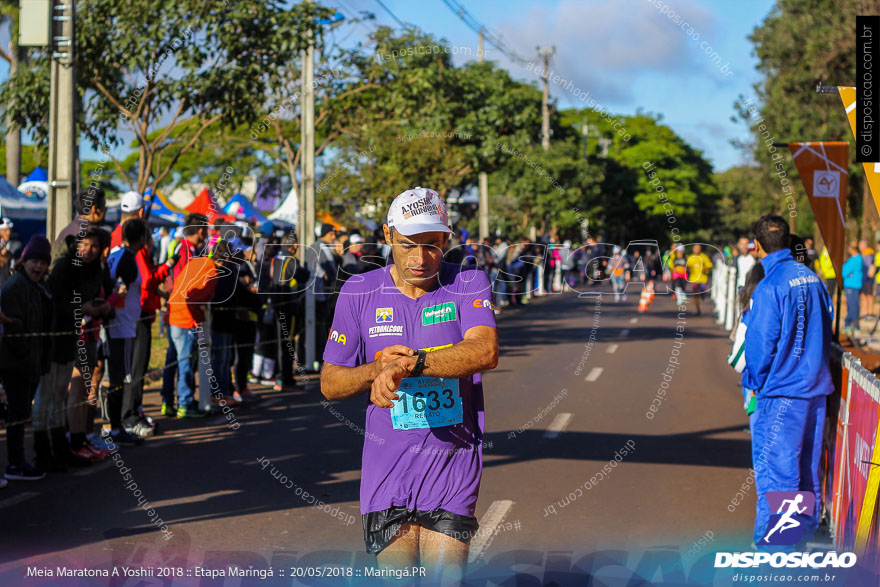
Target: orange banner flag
[
  {"x": 872, "y": 170},
  {"x": 823, "y": 168}
]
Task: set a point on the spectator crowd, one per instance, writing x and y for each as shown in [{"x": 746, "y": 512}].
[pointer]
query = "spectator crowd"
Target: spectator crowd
[{"x": 80, "y": 314}]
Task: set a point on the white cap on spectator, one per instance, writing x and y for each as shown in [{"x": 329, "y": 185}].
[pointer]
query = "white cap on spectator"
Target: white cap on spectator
[
  {"x": 131, "y": 202},
  {"x": 355, "y": 239},
  {"x": 6, "y": 223},
  {"x": 418, "y": 210}
]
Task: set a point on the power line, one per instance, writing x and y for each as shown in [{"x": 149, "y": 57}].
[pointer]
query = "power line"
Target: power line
[
  {"x": 492, "y": 38},
  {"x": 394, "y": 16}
]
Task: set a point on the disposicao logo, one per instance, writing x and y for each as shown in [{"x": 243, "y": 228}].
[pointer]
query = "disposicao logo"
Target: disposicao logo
[
  {"x": 785, "y": 528},
  {"x": 791, "y": 560},
  {"x": 439, "y": 313},
  {"x": 792, "y": 509}
]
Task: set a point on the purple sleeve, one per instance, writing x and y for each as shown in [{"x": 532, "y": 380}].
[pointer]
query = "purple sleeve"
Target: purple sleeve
[
  {"x": 476, "y": 300},
  {"x": 344, "y": 344}
]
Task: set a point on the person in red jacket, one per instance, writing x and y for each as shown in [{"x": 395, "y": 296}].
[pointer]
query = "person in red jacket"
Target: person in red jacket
[
  {"x": 132, "y": 206},
  {"x": 152, "y": 276}
]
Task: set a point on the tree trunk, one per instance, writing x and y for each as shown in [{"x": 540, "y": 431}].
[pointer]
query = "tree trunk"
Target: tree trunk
[{"x": 13, "y": 131}]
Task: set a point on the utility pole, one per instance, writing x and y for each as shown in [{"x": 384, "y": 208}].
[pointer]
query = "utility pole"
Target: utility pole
[
  {"x": 545, "y": 54},
  {"x": 483, "y": 177},
  {"x": 62, "y": 117},
  {"x": 306, "y": 221},
  {"x": 307, "y": 209}
]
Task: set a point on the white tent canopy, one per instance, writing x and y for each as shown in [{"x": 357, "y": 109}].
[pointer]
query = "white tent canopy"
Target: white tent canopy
[{"x": 288, "y": 211}]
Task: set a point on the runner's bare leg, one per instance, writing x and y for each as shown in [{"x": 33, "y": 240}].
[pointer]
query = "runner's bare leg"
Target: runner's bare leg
[
  {"x": 403, "y": 550},
  {"x": 444, "y": 557}
]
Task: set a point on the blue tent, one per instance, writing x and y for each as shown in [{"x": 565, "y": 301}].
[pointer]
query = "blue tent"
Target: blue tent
[
  {"x": 243, "y": 209},
  {"x": 38, "y": 174},
  {"x": 28, "y": 214},
  {"x": 160, "y": 210},
  {"x": 16, "y": 205}
]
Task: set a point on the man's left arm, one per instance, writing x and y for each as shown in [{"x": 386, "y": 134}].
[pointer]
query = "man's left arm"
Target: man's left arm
[
  {"x": 762, "y": 337},
  {"x": 478, "y": 352}
]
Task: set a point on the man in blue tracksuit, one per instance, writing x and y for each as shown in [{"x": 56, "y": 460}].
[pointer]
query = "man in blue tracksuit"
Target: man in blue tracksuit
[{"x": 786, "y": 350}]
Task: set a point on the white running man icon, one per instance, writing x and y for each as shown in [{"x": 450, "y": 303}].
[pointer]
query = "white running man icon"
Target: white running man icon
[{"x": 786, "y": 522}]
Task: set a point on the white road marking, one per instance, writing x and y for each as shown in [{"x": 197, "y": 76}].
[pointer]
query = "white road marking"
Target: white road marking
[
  {"x": 612, "y": 348},
  {"x": 624, "y": 332},
  {"x": 633, "y": 320},
  {"x": 490, "y": 520},
  {"x": 18, "y": 498},
  {"x": 557, "y": 426},
  {"x": 594, "y": 374}
]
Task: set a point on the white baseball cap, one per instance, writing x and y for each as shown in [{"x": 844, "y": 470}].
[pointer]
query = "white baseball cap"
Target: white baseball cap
[
  {"x": 355, "y": 239},
  {"x": 418, "y": 210},
  {"x": 131, "y": 202},
  {"x": 6, "y": 223}
]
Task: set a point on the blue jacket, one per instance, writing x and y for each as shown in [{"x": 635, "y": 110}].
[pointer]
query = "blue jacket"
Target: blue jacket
[
  {"x": 853, "y": 271},
  {"x": 784, "y": 359}
]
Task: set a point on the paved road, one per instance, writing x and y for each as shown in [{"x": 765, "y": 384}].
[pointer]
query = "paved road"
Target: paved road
[{"x": 560, "y": 406}]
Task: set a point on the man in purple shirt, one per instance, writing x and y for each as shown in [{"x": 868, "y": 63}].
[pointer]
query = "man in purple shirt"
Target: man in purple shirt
[{"x": 416, "y": 335}]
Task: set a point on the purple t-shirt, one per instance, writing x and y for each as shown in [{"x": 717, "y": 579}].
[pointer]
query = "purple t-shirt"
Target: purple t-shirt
[{"x": 422, "y": 468}]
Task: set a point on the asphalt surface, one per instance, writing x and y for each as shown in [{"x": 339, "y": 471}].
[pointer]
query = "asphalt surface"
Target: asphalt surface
[{"x": 573, "y": 389}]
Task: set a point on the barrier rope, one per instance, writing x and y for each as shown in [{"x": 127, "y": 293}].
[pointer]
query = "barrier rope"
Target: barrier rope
[
  {"x": 80, "y": 332},
  {"x": 108, "y": 390}
]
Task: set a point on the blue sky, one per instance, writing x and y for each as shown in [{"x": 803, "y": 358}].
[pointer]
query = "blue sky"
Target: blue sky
[{"x": 628, "y": 54}]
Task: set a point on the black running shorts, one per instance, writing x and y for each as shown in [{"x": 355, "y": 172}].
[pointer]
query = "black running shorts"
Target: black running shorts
[{"x": 380, "y": 527}]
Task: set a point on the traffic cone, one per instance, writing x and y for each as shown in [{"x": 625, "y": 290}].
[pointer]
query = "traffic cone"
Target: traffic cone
[
  {"x": 643, "y": 301},
  {"x": 651, "y": 291}
]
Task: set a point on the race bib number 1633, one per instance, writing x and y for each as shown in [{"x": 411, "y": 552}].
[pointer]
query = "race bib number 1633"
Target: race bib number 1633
[{"x": 426, "y": 402}]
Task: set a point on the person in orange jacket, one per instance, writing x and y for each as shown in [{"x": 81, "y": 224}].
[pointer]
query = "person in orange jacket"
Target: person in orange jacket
[{"x": 193, "y": 289}]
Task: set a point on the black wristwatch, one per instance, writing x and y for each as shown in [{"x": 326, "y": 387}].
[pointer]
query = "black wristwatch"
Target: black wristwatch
[{"x": 420, "y": 364}]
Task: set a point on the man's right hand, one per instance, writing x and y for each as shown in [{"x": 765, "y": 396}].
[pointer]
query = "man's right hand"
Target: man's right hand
[
  {"x": 384, "y": 388},
  {"x": 390, "y": 353}
]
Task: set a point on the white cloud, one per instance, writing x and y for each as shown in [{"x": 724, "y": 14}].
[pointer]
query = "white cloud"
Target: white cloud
[{"x": 608, "y": 43}]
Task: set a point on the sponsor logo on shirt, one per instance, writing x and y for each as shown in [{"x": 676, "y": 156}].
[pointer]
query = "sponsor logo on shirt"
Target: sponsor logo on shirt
[
  {"x": 482, "y": 303},
  {"x": 439, "y": 313},
  {"x": 336, "y": 336},
  {"x": 384, "y": 315},
  {"x": 386, "y": 330},
  {"x": 802, "y": 281}
]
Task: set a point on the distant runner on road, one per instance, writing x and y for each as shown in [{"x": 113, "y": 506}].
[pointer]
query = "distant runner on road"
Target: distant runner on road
[
  {"x": 416, "y": 335},
  {"x": 699, "y": 266}
]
